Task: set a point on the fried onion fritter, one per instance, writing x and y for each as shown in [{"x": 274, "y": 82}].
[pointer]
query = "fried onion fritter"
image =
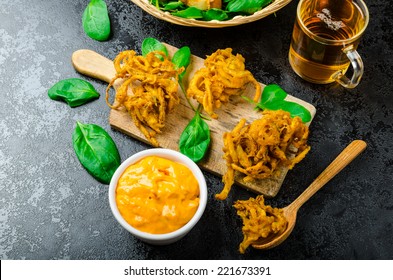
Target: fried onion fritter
[
  {"x": 259, "y": 221},
  {"x": 153, "y": 83},
  {"x": 258, "y": 149},
  {"x": 224, "y": 75}
]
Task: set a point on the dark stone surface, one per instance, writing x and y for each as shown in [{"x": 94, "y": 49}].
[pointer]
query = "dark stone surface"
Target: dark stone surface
[{"x": 51, "y": 208}]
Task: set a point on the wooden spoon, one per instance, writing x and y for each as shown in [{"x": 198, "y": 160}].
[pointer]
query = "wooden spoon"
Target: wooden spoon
[{"x": 290, "y": 212}]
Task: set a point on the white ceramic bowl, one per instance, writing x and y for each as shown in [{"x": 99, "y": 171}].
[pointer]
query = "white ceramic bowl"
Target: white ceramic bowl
[{"x": 166, "y": 238}]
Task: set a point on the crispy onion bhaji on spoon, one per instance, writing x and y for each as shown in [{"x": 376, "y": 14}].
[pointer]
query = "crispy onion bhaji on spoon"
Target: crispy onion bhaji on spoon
[
  {"x": 260, "y": 221},
  {"x": 224, "y": 75},
  {"x": 153, "y": 84},
  {"x": 258, "y": 149}
]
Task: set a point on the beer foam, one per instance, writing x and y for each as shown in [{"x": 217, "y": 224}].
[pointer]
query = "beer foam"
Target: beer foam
[{"x": 326, "y": 17}]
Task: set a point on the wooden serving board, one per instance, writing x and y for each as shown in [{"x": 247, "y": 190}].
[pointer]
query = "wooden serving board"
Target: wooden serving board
[{"x": 94, "y": 65}]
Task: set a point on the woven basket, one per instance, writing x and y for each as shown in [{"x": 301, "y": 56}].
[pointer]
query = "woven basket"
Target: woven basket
[{"x": 271, "y": 8}]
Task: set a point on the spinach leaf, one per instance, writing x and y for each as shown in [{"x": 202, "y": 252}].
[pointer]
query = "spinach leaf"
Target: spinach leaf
[
  {"x": 229, "y": 9},
  {"x": 273, "y": 98},
  {"x": 96, "y": 151},
  {"x": 150, "y": 44},
  {"x": 95, "y": 20},
  {"x": 195, "y": 139},
  {"x": 190, "y": 12},
  {"x": 246, "y": 6},
  {"x": 182, "y": 58},
  {"x": 170, "y": 6},
  {"x": 272, "y": 93},
  {"x": 296, "y": 109},
  {"x": 215, "y": 14},
  {"x": 74, "y": 91}
]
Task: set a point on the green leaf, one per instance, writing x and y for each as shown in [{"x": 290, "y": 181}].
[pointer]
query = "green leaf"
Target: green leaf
[
  {"x": 151, "y": 45},
  {"x": 215, "y": 14},
  {"x": 74, "y": 91},
  {"x": 95, "y": 20},
  {"x": 96, "y": 151},
  {"x": 270, "y": 94},
  {"x": 230, "y": 9},
  {"x": 170, "y": 6},
  {"x": 182, "y": 58},
  {"x": 190, "y": 12},
  {"x": 195, "y": 139},
  {"x": 298, "y": 110},
  {"x": 273, "y": 98},
  {"x": 246, "y": 6}
]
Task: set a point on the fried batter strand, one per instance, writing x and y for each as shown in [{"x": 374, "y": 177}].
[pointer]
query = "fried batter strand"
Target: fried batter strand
[
  {"x": 259, "y": 221},
  {"x": 224, "y": 75},
  {"x": 258, "y": 149},
  {"x": 153, "y": 84}
]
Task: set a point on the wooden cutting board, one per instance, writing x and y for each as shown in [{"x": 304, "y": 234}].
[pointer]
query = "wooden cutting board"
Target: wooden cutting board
[{"x": 97, "y": 66}]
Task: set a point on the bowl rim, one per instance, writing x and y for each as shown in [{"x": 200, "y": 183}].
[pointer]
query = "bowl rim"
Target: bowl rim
[
  {"x": 168, "y": 154},
  {"x": 274, "y": 6}
]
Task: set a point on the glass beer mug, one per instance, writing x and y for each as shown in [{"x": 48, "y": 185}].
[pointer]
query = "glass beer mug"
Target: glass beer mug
[{"x": 325, "y": 38}]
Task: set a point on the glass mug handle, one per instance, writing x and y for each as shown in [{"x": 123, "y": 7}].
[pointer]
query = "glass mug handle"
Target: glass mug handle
[{"x": 358, "y": 69}]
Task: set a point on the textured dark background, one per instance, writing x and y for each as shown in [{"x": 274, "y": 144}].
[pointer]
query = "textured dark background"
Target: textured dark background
[{"x": 51, "y": 208}]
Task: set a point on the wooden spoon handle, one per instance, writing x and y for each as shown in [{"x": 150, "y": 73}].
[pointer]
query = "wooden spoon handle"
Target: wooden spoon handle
[
  {"x": 342, "y": 160},
  {"x": 94, "y": 65}
]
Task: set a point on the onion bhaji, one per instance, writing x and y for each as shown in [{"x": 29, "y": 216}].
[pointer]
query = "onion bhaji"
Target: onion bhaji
[
  {"x": 258, "y": 149},
  {"x": 153, "y": 84},
  {"x": 260, "y": 221},
  {"x": 224, "y": 75}
]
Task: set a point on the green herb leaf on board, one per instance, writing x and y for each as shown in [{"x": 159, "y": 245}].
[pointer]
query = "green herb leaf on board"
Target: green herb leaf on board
[
  {"x": 273, "y": 98},
  {"x": 151, "y": 44},
  {"x": 182, "y": 58},
  {"x": 195, "y": 139}
]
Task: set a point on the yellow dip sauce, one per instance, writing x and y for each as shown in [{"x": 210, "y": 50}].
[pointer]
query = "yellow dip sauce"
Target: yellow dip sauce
[{"x": 157, "y": 195}]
